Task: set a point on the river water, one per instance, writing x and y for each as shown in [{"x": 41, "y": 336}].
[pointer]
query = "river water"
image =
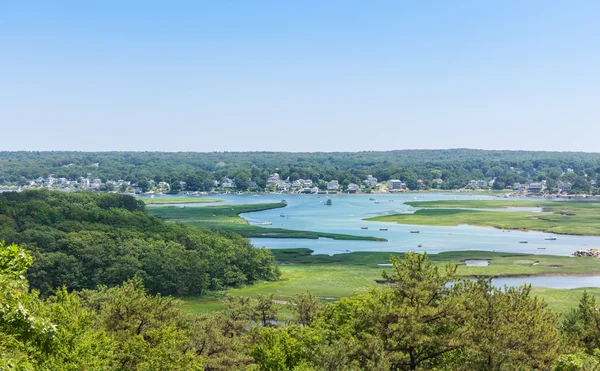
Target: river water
[{"x": 309, "y": 212}]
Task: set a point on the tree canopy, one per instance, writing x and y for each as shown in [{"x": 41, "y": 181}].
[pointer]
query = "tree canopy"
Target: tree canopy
[{"x": 81, "y": 240}]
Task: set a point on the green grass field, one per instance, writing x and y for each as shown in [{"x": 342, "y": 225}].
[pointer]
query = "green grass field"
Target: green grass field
[
  {"x": 337, "y": 276},
  {"x": 227, "y": 217},
  {"x": 178, "y": 200},
  {"x": 561, "y": 217}
]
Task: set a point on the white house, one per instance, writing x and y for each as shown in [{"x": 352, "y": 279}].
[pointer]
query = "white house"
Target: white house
[
  {"x": 333, "y": 185},
  {"x": 371, "y": 181}
]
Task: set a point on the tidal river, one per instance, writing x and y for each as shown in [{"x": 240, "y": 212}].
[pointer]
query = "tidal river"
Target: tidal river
[{"x": 309, "y": 212}]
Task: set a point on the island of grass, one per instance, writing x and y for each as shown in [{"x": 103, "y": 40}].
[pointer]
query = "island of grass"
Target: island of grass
[
  {"x": 560, "y": 217},
  {"x": 227, "y": 217},
  {"x": 178, "y": 200},
  {"x": 331, "y": 277}
]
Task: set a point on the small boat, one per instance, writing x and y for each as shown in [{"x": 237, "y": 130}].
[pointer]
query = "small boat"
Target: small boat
[
  {"x": 415, "y": 231},
  {"x": 550, "y": 238},
  {"x": 282, "y": 215},
  {"x": 522, "y": 241},
  {"x": 420, "y": 245},
  {"x": 376, "y": 202},
  {"x": 541, "y": 248},
  {"x": 364, "y": 227},
  {"x": 328, "y": 203},
  {"x": 383, "y": 229},
  {"x": 283, "y": 201},
  {"x": 371, "y": 199},
  {"x": 265, "y": 223}
]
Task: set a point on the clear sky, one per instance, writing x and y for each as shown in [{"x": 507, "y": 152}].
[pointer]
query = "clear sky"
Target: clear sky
[{"x": 299, "y": 75}]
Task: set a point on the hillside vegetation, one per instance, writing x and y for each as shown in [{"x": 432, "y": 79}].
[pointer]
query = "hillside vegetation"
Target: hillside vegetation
[{"x": 83, "y": 239}]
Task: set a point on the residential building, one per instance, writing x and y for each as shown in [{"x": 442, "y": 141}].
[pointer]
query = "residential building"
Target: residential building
[
  {"x": 563, "y": 186},
  {"x": 333, "y": 185},
  {"x": 478, "y": 183},
  {"x": 227, "y": 183},
  {"x": 273, "y": 179},
  {"x": 371, "y": 181},
  {"x": 394, "y": 184},
  {"x": 283, "y": 186},
  {"x": 353, "y": 188},
  {"x": 535, "y": 187}
]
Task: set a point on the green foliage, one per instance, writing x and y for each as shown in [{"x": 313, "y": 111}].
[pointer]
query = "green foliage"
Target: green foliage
[
  {"x": 199, "y": 170},
  {"x": 509, "y": 327},
  {"x": 306, "y": 308},
  {"x": 81, "y": 240}
]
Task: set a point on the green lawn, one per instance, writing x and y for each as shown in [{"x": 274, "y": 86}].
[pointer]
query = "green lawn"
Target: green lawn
[
  {"x": 178, "y": 200},
  {"x": 227, "y": 217},
  {"x": 561, "y": 217},
  {"x": 337, "y": 276}
]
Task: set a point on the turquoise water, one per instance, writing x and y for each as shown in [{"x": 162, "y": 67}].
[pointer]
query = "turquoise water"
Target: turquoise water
[{"x": 308, "y": 212}]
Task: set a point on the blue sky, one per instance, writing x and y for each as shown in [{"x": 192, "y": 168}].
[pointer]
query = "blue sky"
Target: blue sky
[{"x": 299, "y": 75}]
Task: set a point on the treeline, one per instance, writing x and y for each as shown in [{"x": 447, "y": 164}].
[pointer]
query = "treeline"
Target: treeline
[
  {"x": 425, "y": 319},
  {"x": 199, "y": 170},
  {"x": 82, "y": 239}
]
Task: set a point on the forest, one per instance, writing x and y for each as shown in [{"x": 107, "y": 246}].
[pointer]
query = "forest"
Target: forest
[
  {"x": 424, "y": 318},
  {"x": 80, "y": 240},
  {"x": 250, "y": 170}
]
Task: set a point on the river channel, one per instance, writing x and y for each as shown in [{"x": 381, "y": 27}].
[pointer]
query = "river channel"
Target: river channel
[{"x": 309, "y": 212}]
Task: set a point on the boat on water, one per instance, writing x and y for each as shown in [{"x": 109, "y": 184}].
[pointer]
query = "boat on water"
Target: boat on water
[
  {"x": 283, "y": 201},
  {"x": 522, "y": 241},
  {"x": 282, "y": 215},
  {"x": 371, "y": 199},
  {"x": 541, "y": 248},
  {"x": 415, "y": 231},
  {"x": 364, "y": 227},
  {"x": 550, "y": 238},
  {"x": 328, "y": 203},
  {"x": 265, "y": 223},
  {"x": 376, "y": 202},
  {"x": 419, "y": 245},
  {"x": 383, "y": 229}
]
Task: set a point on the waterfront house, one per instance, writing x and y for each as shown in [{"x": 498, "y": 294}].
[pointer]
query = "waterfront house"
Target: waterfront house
[
  {"x": 353, "y": 188},
  {"x": 563, "y": 186},
  {"x": 227, "y": 183},
  {"x": 333, "y": 185},
  {"x": 273, "y": 179},
  {"x": 394, "y": 184},
  {"x": 535, "y": 187},
  {"x": 371, "y": 181}
]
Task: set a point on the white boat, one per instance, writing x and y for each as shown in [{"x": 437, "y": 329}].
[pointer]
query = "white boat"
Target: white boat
[{"x": 265, "y": 223}]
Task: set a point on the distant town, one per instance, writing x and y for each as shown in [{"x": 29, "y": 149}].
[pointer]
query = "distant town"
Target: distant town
[{"x": 276, "y": 184}]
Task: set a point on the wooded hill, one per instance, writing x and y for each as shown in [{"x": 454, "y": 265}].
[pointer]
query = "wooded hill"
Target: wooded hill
[{"x": 84, "y": 239}]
